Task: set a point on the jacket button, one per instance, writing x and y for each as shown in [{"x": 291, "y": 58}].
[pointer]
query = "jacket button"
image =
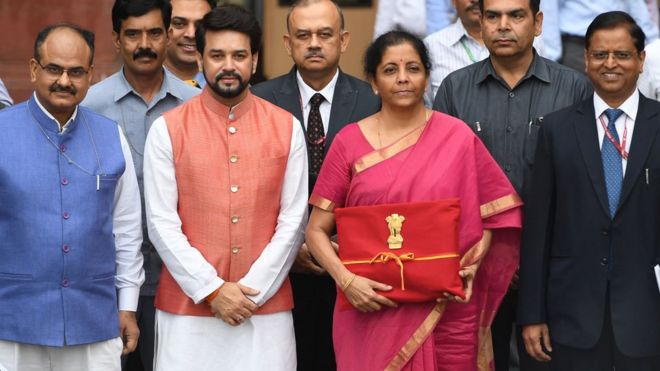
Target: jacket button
[
  {"x": 603, "y": 261},
  {"x": 66, "y": 248},
  {"x": 235, "y": 249},
  {"x": 605, "y": 232}
]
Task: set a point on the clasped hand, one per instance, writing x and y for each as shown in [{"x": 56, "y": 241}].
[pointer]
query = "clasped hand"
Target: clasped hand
[{"x": 232, "y": 304}]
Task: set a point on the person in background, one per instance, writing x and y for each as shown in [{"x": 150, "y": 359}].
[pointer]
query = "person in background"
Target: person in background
[
  {"x": 134, "y": 97},
  {"x": 455, "y": 46},
  {"x": 5, "y": 98},
  {"x": 420, "y": 17},
  {"x": 181, "y": 57},
  {"x": 504, "y": 99},
  {"x": 324, "y": 99},
  {"x": 589, "y": 296},
  {"x": 567, "y": 21},
  {"x": 71, "y": 266}
]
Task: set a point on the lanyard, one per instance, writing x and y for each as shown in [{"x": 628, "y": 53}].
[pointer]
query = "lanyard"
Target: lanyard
[
  {"x": 619, "y": 147},
  {"x": 468, "y": 51}
]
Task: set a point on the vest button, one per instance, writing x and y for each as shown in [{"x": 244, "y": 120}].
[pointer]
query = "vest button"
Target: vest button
[
  {"x": 66, "y": 248},
  {"x": 234, "y": 219},
  {"x": 66, "y": 215},
  {"x": 65, "y": 181},
  {"x": 235, "y": 249},
  {"x": 234, "y": 188},
  {"x": 232, "y": 130},
  {"x": 65, "y": 282},
  {"x": 233, "y": 159}
]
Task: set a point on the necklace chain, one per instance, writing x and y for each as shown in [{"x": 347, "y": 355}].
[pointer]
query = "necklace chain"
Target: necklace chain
[
  {"x": 63, "y": 154},
  {"x": 379, "y": 123}
]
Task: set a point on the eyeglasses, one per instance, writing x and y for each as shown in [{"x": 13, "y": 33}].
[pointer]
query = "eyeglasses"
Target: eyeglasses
[
  {"x": 55, "y": 71},
  {"x": 619, "y": 55}
]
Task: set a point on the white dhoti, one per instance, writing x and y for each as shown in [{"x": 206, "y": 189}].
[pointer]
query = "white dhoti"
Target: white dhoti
[
  {"x": 101, "y": 356},
  {"x": 263, "y": 342}
]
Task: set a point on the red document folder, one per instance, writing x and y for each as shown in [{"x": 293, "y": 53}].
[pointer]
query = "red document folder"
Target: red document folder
[{"x": 412, "y": 247}]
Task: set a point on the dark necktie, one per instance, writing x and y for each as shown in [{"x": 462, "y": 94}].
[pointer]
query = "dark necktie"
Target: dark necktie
[
  {"x": 612, "y": 166},
  {"x": 315, "y": 134}
]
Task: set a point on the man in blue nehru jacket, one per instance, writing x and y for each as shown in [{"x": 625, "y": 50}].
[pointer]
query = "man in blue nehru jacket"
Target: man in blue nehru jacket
[{"x": 71, "y": 267}]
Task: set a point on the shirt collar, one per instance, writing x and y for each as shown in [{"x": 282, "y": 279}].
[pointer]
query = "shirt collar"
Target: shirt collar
[
  {"x": 45, "y": 111},
  {"x": 306, "y": 91},
  {"x": 629, "y": 106},
  {"x": 454, "y": 33},
  {"x": 166, "y": 87},
  {"x": 539, "y": 69}
]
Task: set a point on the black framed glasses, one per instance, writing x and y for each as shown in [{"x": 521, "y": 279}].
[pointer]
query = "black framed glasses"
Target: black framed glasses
[{"x": 55, "y": 71}]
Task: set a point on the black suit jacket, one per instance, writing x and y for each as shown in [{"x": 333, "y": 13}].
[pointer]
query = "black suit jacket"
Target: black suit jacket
[
  {"x": 352, "y": 101},
  {"x": 572, "y": 250}
]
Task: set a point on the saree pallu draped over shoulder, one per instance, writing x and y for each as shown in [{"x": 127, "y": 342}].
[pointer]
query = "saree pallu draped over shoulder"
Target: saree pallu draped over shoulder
[{"x": 441, "y": 160}]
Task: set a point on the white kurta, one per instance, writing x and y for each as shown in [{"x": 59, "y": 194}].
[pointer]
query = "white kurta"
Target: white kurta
[{"x": 207, "y": 343}]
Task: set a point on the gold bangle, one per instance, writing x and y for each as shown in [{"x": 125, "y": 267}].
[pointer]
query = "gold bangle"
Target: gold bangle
[{"x": 348, "y": 282}]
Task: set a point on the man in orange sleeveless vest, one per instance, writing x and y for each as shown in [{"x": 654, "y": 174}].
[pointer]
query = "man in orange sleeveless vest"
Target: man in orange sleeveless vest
[{"x": 226, "y": 186}]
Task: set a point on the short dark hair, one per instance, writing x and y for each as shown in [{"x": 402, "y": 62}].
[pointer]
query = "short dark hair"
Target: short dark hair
[
  {"x": 535, "y": 5},
  {"x": 86, "y": 35},
  {"x": 137, "y": 8},
  {"x": 611, "y": 20},
  {"x": 301, "y": 3},
  {"x": 229, "y": 17},
  {"x": 374, "y": 54}
]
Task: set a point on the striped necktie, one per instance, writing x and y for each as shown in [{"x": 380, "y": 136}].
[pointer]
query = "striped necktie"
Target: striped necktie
[{"x": 611, "y": 158}]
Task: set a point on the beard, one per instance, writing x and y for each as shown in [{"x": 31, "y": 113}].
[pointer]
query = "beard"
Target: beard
[{"x": 226, "y": 91}]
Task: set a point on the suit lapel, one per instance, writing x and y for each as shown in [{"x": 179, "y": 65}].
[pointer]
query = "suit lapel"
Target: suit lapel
[
  {"x": 643, "y": 136},
  {"x": 288, "y": 97},
  {"x": 343, "y": 105},
  {"x": 587, "y": 137}
]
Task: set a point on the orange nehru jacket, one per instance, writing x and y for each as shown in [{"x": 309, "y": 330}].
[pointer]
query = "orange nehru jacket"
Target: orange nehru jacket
[{"x": 229, "y": 169}]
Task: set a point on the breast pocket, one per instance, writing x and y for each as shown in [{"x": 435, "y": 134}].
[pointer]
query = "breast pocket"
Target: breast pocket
[
  {"x": 484, "y": 130},
  {"x": 529, "y": 149}
]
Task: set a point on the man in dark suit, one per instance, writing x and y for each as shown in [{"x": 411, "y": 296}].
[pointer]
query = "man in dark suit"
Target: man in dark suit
[
  {"x": 588, "y": 297},
  {"x": 324, "y": 100}
]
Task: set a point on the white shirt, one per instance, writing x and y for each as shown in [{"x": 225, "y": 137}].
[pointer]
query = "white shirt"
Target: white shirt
[
  {"x": 194, "y": 274},
  {"x": 126, "y": 226},
  {"x": 626, "y": 120},
  {"x": 448, "y": 50},
  {"x": 306, "y": 93},
  {"x": 649, "y": 80}
]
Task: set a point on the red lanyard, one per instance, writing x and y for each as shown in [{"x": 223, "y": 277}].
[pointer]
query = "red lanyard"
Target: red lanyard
[{"x": 619, "y": 147}]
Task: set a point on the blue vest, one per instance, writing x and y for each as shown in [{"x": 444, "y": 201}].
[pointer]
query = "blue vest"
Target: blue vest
[{"x": 57, "y": 250}]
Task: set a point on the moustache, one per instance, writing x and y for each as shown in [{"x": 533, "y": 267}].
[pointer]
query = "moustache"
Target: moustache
[
  {"x": 55, "y": 88},
  {"x": 314, "y": 53},
  {"x": 144, "y": 52},
  {"x": 473, "y": 7},
  {"x": 228, "y": 74}
]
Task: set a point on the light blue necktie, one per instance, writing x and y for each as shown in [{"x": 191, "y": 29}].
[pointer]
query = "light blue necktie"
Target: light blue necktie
[{"x": 612, "y": 162}]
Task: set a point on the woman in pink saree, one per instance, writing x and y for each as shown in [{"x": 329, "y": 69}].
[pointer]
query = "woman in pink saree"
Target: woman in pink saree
[{"x": 406, "y": 153}]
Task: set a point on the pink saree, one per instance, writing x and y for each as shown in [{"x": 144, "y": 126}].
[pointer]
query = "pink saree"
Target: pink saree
[{"x": 440, "y": 160}]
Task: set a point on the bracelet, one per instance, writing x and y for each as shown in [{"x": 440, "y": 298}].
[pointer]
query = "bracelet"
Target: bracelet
[
  {"x": 348, "y": 282},
  {"x": 212, "y": 296}
]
